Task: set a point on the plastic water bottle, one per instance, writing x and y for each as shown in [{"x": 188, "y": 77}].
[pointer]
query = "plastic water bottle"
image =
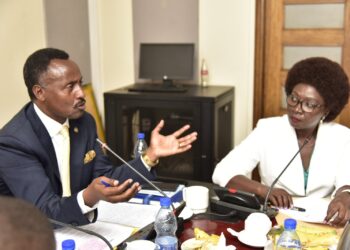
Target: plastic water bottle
[
  {"x": 68, "y": 244},
  {"x": 204, "y": 74},
  {"x": 289, "y": 239},
  {"x": 140, "y": 145},
  {"x": 166, "y": 225}
]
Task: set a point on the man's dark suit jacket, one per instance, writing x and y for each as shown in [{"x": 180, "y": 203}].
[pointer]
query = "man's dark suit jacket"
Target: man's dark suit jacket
[{"x": 29, "y": 170}]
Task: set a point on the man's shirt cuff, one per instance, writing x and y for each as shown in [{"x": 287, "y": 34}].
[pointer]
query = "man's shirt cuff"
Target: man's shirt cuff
[{"x": 84, "y": 209}]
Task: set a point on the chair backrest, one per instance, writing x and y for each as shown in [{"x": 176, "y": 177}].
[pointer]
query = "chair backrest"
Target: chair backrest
[
  {"x": 91, "y": 107},
  {"x": 344, "y": 241}
]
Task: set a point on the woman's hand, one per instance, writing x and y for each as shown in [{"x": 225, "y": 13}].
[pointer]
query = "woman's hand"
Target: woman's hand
[
  {"x": 161, "y": 146},
  {"x": 338, "y": 213},
  {"x": 280, "y": 198}
]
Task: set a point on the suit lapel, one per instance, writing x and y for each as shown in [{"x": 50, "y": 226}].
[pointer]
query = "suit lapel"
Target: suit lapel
[{"x": 45, "y": 140}]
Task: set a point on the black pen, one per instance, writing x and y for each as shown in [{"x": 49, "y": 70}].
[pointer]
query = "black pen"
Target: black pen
[
  {"x": 105, "y": 183},
  {"x": 299, "y": 209}
]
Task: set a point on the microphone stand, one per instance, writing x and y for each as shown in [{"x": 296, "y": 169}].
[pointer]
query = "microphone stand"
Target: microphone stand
[
  {"x": 285, "y": 168},
  {"x": 149, "y": 233},
  {"x": 104, "y": 145}
]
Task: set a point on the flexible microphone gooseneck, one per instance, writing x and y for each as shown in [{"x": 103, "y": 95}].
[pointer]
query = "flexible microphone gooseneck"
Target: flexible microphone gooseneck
[
  {"x": 104, "y": 145},
  {"x": 55, "y": 222},
  {"x": 285, "y": 168},
  {"x": 148, "y": 231}
]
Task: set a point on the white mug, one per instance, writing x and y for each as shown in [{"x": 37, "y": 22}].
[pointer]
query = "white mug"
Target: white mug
[{"x": 197, "y": 198}]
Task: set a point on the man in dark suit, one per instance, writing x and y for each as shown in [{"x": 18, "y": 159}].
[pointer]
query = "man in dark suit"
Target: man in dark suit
[{"x": 32, "y": 147}]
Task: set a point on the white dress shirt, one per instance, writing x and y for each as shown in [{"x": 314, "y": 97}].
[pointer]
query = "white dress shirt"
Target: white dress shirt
[
  {"x": 273, "y": 143},
  {"x": 53, "y": 127}
]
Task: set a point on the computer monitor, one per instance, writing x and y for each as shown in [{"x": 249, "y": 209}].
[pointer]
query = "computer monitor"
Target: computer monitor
[{"x": 166, "y": 61}]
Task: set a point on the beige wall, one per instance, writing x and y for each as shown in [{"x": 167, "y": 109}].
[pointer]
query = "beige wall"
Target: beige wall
[
  {"x": 229, "y": 53},
  {"x": 229, "y": 50},
  {"x": 22, "y": 32},
  {"x": 111, "y": 46}
]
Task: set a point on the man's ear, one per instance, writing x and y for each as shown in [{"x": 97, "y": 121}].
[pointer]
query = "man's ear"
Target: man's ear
[{"x": 38, "y": 92}]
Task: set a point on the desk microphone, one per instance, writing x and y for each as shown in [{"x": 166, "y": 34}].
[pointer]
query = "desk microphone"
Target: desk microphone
[
  {"x": 148, "y": 231},
  {"x": 285, "y": 168},
  {"x": 58, "y": 223},
  {"x": 245, "y": 202},
  {"x": 104, "y": 145}
]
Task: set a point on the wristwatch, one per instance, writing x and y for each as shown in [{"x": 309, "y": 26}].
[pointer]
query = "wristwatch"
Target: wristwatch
[{"x": 148, "y": 161}]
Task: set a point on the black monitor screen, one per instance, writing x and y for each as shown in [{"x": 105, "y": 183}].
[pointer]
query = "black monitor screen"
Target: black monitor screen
[{"x": 173, "y": 61}]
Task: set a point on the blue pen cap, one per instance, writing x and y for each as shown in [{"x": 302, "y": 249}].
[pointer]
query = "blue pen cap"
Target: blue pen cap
[
  {"x": 140, "y": 136},
  {"x": 290, "y": 224},
  {"x": 165, "y": 202},
  {"x": 68, "y": 244}
]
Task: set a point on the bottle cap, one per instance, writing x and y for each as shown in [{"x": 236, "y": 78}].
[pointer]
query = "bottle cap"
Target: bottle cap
[
  {"x": 140, "y": 136},
  {"x": 290, "y": 223},
  {"x": 165, "y": 202},
  {"x": 68, "y": 244}
]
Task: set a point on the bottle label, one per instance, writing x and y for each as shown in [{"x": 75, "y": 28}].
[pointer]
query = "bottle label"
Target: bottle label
[
  {"x": 166, "y": 243},
  {"x": 289, "y": 244},
  {"x": 204, "y": 72}
]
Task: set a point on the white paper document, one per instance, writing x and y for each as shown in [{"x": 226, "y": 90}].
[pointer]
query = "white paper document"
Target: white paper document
[
  {"x": 115, "y": 222},
  {"x": 114, "y": 233},
  {"x": 128, "y": 214},
  {"x": 315, "y": 209}
]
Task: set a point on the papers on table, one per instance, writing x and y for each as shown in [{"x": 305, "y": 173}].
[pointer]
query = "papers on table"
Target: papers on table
[
  {"x": 115, "y": 222},
  {"x": 114, "y": 233},
  {"x": 127, "y": 214},
  {"x": 315, "y": 209}
]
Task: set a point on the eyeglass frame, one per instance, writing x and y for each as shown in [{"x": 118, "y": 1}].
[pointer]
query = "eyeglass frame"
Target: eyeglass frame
[{"x": 302, "y": 102}]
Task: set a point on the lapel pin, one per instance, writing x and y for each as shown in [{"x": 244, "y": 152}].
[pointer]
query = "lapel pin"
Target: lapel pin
[{"x": 76, "y": 130}]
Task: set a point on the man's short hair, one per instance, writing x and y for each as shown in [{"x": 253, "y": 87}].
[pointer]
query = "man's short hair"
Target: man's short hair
[
  {"x": 36, "y": 65},
  {"x": 23, "y": 226}
]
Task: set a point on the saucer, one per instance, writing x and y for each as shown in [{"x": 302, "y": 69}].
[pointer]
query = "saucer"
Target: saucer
[
  {"x": 251, "y": 240},
  {"x": 186, "y": 213},
  {"x": 140, "y": 244}
]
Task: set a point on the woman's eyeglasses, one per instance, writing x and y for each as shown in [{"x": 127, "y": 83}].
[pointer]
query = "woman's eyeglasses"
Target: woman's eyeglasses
[{"x": 306, "y": 105}]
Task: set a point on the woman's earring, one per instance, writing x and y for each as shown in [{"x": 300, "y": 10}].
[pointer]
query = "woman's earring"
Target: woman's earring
[{"x": 323, "y": 117}]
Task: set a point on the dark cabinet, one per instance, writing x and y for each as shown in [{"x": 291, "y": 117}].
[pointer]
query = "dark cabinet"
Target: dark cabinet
[{"x": 209, "y": 111}]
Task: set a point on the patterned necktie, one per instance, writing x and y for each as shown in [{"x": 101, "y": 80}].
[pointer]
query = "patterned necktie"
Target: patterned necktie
[{"x": 65, "y": 168}]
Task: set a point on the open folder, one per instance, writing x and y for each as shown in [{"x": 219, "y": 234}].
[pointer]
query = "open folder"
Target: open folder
[
  {"x": 148, "y": 195},
  {"x": 311, "y": 229},
  {"x": 116, "y": 222}
]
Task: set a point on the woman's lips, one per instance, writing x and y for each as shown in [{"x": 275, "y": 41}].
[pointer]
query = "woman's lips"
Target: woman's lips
[{"x": 294, "y": 119}]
